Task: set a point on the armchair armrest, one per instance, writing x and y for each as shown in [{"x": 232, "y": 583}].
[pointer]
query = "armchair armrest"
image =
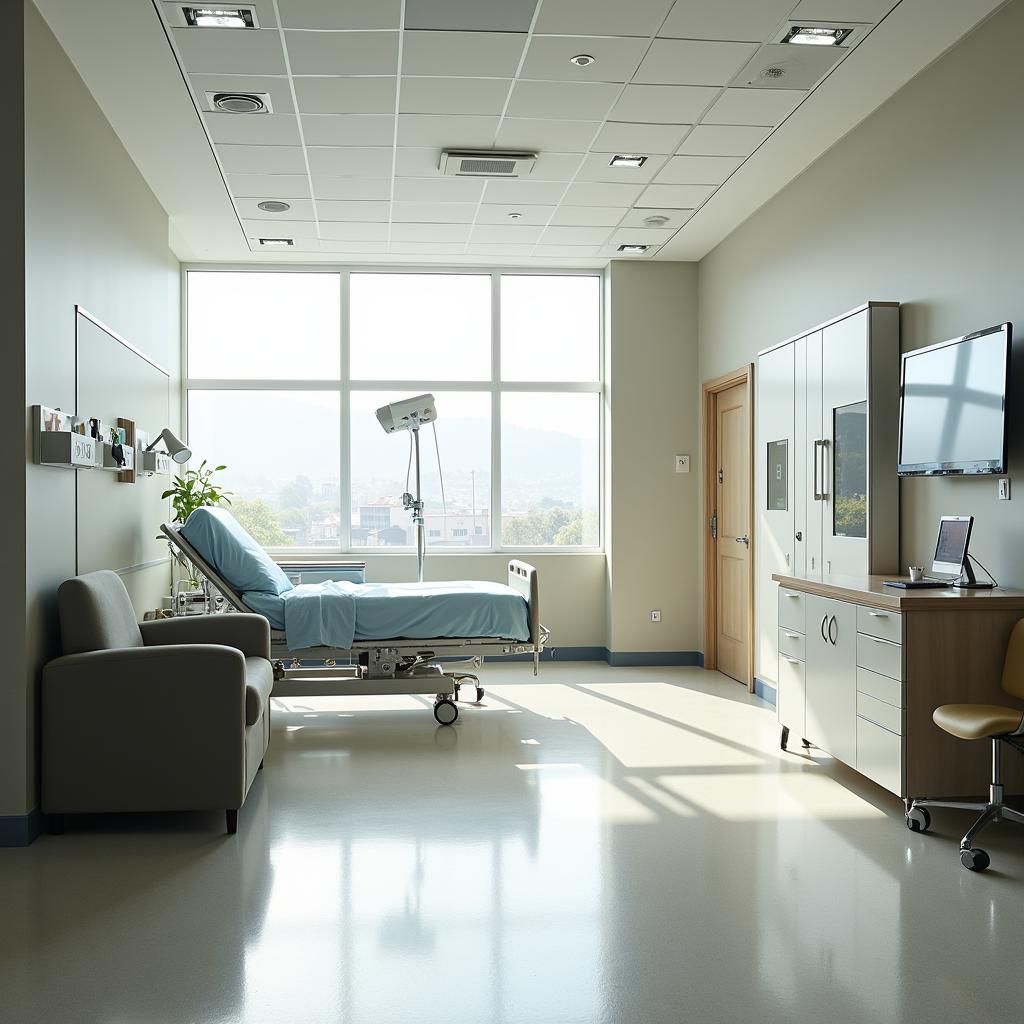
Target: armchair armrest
[{"x": 247, "y": 633}]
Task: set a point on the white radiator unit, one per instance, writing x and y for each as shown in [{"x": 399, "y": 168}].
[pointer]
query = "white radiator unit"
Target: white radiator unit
[{"x": 486, "y": 163}]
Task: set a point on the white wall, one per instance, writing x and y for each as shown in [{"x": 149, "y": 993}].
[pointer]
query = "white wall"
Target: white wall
[
  {"x": 95, "y": 235},
  {"x": 922, "y": 203}
]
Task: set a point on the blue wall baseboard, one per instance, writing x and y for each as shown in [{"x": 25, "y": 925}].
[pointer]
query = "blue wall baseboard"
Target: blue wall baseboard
[
  {"x": 617, "y": 658},
  {"x": 20, "y": 829},
  {"x": 765, "y": 691}
]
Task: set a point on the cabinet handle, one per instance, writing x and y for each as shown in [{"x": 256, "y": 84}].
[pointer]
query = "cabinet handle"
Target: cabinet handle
[
  {"x": 879, "y": 615},
  {"x": 792, "y": 595},
  {"x": 792, "y": 636},
  {"x": 824, "y": 469},
  {"x": 830, "y": 636},
  {"x": 814, "y": 459},
  {"x": 792, "y": 661},
  {"x": 824, "y": 619}
]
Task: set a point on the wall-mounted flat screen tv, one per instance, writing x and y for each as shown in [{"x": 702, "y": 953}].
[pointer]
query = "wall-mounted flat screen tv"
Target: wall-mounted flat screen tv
[{"x": 953, "y": 405}]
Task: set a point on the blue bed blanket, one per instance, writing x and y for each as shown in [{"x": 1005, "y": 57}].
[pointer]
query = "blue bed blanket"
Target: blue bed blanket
[{"x": 336, "y": 614}]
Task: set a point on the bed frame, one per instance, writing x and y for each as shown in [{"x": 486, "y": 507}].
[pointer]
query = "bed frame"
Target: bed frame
[{"x": 378, "y": 667}]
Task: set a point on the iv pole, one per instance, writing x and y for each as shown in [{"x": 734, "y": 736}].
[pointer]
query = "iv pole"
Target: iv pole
[{"x": 415, "y": 505}]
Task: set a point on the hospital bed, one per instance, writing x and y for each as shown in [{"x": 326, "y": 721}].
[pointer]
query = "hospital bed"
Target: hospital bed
[{"x": 394, "y": 665}]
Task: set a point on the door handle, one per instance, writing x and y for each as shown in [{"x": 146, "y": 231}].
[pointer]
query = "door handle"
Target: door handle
[
  {"x": 743, "y": 540},
  {"x": 799, "y": 534},
  {"x": 832, "y": 624},
  {"x": 824, "y": 619},
  {"x": 824, "y": 469},
  {"x": 814, "y": 460}
]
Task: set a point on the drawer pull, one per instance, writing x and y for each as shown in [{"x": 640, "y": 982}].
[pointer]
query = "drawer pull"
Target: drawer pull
[
  {"x": 790, "y": 595},
  {"x": 879, "y": 615},
  {"x": 875, "y": 640},
  {"x": 792, "y": 636},
  {"x": 792, "y": 661},
  {"x": 878, "y": 725}
]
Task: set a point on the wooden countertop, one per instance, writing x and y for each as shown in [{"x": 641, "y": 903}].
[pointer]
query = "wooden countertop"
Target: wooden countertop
[{"x": 870, "y": 591}]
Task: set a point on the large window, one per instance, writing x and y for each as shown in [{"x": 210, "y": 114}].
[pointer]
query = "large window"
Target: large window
[{"x": 285, "y": 370}]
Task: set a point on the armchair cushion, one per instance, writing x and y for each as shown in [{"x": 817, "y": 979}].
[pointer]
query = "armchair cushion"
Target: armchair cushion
[
  {"x": 259, "y": 681},
  {"x": 96, "y": 614},
  {"x": 249, "y": 634}
]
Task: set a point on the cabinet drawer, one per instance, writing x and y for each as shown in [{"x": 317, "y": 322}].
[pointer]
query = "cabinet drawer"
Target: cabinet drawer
[
  {"x": 880, "y": 656},
  {"x": 880, "y": 713},
  {"x": 880, "y": 687},
  {"x": 792, "y": 694},
  {"x": 878, "y": 622},
  {"x": 792, "y": 609},
  {"x": 880, "y": 755},
  {"x": 791, "y": 643}
]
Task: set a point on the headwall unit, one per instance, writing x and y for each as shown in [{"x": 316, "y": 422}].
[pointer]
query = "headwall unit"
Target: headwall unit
[{"x": 827, "y": 495}]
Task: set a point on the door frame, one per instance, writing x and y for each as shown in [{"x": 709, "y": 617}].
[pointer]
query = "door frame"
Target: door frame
[{"x": 709, "y": 408}]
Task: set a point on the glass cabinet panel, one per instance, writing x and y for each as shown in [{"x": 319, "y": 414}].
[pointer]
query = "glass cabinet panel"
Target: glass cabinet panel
[
  {"x": 778, "y": 476},
  {"x": 849, "y": 471}
]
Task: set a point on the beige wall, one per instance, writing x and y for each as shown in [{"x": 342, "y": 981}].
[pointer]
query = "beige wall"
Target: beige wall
[
  {"x": 923, "y": 204},
  {"x": 95, "y": 236},
  {"x": 653, "y": 518}
]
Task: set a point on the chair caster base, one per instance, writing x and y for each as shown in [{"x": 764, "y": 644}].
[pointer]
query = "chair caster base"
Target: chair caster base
[{"x": 974, "y": 860}]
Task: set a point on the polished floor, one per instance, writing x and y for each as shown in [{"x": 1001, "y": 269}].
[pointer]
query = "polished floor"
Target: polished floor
[{"x": 596, "y": 845}]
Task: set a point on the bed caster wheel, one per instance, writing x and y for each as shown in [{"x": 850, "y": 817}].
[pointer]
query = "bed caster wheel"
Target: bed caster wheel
[
  {"x": 479, "y": 694},
  {"x": 784, "y": 737},
  {"x": 918, "y": 819},
  {"x": 446, "y": 711},
  {"x": 974, "y": 860}
]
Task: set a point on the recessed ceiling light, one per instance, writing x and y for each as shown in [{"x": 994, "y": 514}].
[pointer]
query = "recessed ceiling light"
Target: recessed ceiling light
[
  {"x": 583, "y": 60},
  {"x": 627, "y": 160},
  {"x": 635, "y": 249},
  {"x": 276, "y": 242},
  {"x": 515, "y": 216},
  {"x": 816, "y": 35},
  {"x": 274, "y": 206},
  {"x": 220, "y": 17},
  {"x": 240, "y": 102},
  {"x": 656, "y": 220}
]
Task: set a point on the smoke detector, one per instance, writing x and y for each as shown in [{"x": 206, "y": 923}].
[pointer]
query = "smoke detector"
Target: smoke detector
[
  {"x": 274, "y": 206},
  {"x": 656, "y": 220},
  {"x": 772, "y": 73},
  {"x": 240, "y": 102},
  {"x": 487, "y": 163}
]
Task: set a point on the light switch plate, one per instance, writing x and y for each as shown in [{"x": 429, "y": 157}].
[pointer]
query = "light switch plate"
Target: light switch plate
[
  {"x": 656, "y": 615},
  {"x": 682, "y": 463},
  {"x": 1004, "y": 488}
]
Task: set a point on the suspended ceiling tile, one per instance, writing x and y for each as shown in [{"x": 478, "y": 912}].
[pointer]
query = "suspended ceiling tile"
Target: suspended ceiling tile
[
  {"x": 470, "y": 15},
  {"x": 692, "y": 62},
  {"x": 427, "y": 248},
  {"x": 620, "y": 137},
  {"x": 346, "y": 95},
  {"x": 433, "y": 213},
  {"x": 571, "y": 101},
  {"x": 357, "y": 231},
  {"x": 499, "y": 249},
  {"x": 351, "y": 189},
  {"x": 723, "y": 140},
  {"x": 262, "y": 159},
  {"x": 842, "y": 10},
  {"x": 519, "y": 234},
  {"x": 212, "y": 52},
  {"x": 523, "y": 190},
  {"x": 253, "y": 129},
  {"x": 342, "y": 53},
  {"x": 439, "y": 190},
  {"x": 601, "y": 17},
  {"x": 789, "y": 67},
  {"x": 300, "y": 209},
  {"x": 453, "y": 95},
  {"x": 498, "y": 213},
  {"x": 637, "y": 217},
  {"x": 567, "y": 251},
  {"x": 278, "y": 228},
  {"x": 348, "y": 129},
  {"x": 462, "y": 131},
  {"x": 754, "y": 106},
  {"x": 746, "y": 20},
  {"x": 663, "y": 104},
  {"x": 429, "y": 232},
  {"x": 269, "y": 186},
  {"x": 276, "y": 88},
  {"x": 698, "y": 170},
  {"x": 563, "y": 235},
  {"x": 589, "y": 216},
  {"x": 340, "y": 14},
  {"x": 556, "y": 166},
  {"x": 597, "y": 167},
  {"x": 361, "y": 210},
  {"x": 640, "y": 236},
  {"x": 536, "y": 135},
  {"x": 357, "y": 162},
  {"x": 462, "y": 54},
  {"x": 417, "y": 162},
  {"x": 601, "y": 193},
  {"x": 547, "y": 59},
  {"x": 676, "y": 197},
  {"x": 353, "y": 248}
]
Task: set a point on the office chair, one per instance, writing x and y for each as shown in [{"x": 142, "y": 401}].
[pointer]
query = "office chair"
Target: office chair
[{"x": 994, "y": 722}]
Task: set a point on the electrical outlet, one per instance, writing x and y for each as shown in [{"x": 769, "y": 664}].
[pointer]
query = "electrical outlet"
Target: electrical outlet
[
  {"x": 1004, "y": 488},
  {"x": 656, "y": 615},
  {"x": 682, "y": 463}
]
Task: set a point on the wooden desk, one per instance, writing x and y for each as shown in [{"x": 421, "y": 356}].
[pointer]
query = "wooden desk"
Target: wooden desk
[{"x": 871, "y": 663}]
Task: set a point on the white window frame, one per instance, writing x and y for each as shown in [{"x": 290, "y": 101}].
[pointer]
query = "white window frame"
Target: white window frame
[{"x": 344, "y": 387}]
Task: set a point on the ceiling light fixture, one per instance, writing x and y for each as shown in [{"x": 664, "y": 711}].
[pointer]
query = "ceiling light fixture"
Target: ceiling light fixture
[
  {"x": 816, "y": 35},
  {"x": 627, "y": 160},
  {"x": 277, "y": 242},
  {"x": 515, "y": 216},
  {"x": 274, "y": 206},
  {"x": 220, "y": 17},
  {"x": 583, "y": 60},
  {"x": 656, "y": 220},
  {"x": 240, "y": 102},
  {"x": 635, "y": 249}
]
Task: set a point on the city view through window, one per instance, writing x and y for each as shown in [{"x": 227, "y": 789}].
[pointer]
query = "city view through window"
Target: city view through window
[{"x": 308, "y": 463}]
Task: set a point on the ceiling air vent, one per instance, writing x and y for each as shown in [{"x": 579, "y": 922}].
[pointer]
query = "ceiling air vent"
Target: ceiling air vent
[
  {"x": 486, "y": 163},
  {"x": 240, "y": 102}
]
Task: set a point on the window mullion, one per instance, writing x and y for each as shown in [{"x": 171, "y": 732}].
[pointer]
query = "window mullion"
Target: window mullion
[
  {"x": 495, "y": 411},
  {"x": 345, "y": 402}
]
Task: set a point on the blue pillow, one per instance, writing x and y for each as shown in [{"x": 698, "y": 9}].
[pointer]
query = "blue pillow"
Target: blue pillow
[{"x": 218, "y": 537}]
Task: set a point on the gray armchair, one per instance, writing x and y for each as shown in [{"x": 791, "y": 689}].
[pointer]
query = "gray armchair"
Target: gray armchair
[{"x": 169, "y": 715}]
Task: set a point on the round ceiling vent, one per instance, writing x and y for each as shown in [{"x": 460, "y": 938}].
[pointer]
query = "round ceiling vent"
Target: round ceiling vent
[
  {"x": 656, "y": 220},
  {"x": 772, "y": 73},
  {"x": 238, "y": 102},
  {"x": 583, "y": 60},
  {"x": 274, "y": 206}
]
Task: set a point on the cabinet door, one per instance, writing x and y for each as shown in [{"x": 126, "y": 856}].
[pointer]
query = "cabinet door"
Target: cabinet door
[
  {"x": 844, "y": 456},
  {"x": 831, "y": 677}
]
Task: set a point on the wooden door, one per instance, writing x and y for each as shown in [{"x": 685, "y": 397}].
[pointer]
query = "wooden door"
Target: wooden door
[{"x": 732, "y": 425}]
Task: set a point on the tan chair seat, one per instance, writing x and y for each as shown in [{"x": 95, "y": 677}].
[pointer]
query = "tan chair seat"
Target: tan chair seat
[{"x": 977, "y": 721}]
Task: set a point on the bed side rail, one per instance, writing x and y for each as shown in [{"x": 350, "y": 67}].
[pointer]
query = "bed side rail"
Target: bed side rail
[
  {"x": 523, "y": 577},
  {"x": 172, "y": 531}
]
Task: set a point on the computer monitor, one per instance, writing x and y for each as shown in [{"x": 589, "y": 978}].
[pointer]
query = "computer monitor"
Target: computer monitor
[{"x": 951, "y": 547}]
